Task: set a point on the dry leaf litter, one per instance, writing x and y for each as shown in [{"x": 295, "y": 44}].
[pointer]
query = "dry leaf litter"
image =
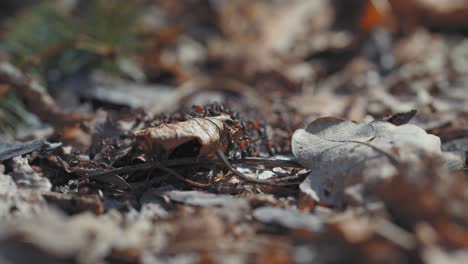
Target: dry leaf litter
[{"x": 246, "y": 132}]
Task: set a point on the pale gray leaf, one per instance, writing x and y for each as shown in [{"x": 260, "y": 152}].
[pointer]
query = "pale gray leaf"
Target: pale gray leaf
[
  {"x": 288, "y": 218},
  {"x": 25, "y": 177},
  {"x": 340, "y": 153},
  {"x": 9, "y": 150},
  {"x": 203, "y": 199}
]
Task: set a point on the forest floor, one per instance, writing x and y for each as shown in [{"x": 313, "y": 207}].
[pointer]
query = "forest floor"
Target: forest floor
[{"x": 234, "y": 131}]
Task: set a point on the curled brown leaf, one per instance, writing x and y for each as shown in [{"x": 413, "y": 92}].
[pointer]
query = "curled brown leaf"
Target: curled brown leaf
[{"x": 202, "y": 135}]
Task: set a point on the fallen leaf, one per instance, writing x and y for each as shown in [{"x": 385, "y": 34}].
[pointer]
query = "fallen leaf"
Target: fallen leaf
[
  {"x": 449, "y": 14},
  {"x": 89, "y": 238},
  {"x": 74, "y": 204},
  {"x": 288, "y": 218},
  {"x": 437, "y": 255},
  {"x": 201, "y": 136},
  {"x": 459, "y": 144},
  {"x": 204, "y": 199},
  {"x": 9, "y": 150},
  {"x": 342, "y": 153},
  {"x": 374, "y": 15},
  {"x": 25, "y": 177},
  {"x": 112, "y": 90}
]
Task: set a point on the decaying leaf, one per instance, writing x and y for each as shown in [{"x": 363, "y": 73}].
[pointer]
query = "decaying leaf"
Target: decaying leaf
[
  {"x": 135, "y": 155},
  {"x": 24, "y": 176},
  {"x": 341, "y": 153},
  {"x": 15, "y": 202},
  {"x": 9, "y": 150},
  {"x": 449, "y": 14},
  {"x": 89, "y": 238},
  {"x": 268, "y": 30},
  {"x": 459, "y": 144},
  {"x": 74, "y": 204},
  {"x": 437, "y": 255},
  {"x": 201, "y": 136},
  {"x": 113, "y": 90},
  {"x": 204, "y": 199},
  {"x": 288, "y": 218}
]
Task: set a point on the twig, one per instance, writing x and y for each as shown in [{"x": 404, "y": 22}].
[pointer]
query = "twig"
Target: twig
[
  {"x": 189, "y": 162},
  {"x": 144, "y": 166},
  {"x": 242, "y": 176},
  {"x": 267, "y": 162},
  {"x": 251, "y": 161},
  {"x": 222, "y": 160},
  {"x": 36, "y": 98},
  {"x": 182, "y": 178}
]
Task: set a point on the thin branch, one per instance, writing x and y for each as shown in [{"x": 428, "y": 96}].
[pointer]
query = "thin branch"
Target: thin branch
[
  {"x": 267, "y": 162},
  {"x": 242, "y": 176},
  {"x": 222, "y": 160},
  {"x": 94, "y": 174},
  {"x": 36, "y": 98},
  {"x": 144, "y": 166},
  {"x": 189, "y": 162},
  {"x": 182, "y": 178}
]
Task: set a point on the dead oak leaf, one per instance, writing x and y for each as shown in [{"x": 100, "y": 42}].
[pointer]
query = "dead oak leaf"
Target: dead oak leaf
[
  {"x": 342, "y": 153},
  {"x": 200, "y": 136}
]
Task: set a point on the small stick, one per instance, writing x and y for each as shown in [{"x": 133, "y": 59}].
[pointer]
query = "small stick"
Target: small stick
[
  {"x": 242, "y": 176},
  {"x": 143, "y": 166},
  {"x": 36, "y": 99},
  {"x": 182, "y": 178},
  {"x": 189, "y": 162},
  {"x": 290, "y": 178},
  {"x": 252, "y": 161}
]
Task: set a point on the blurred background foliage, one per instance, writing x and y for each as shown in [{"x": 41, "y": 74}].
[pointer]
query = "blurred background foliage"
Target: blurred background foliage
[
  {"x": 12, "y": 113},
  {"x": 50, "y": 41}
]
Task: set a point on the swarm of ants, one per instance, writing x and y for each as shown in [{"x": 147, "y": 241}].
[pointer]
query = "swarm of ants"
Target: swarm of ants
[
  {"x": 247, "y": 138},
  {"x": 250, "y": 140}
]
